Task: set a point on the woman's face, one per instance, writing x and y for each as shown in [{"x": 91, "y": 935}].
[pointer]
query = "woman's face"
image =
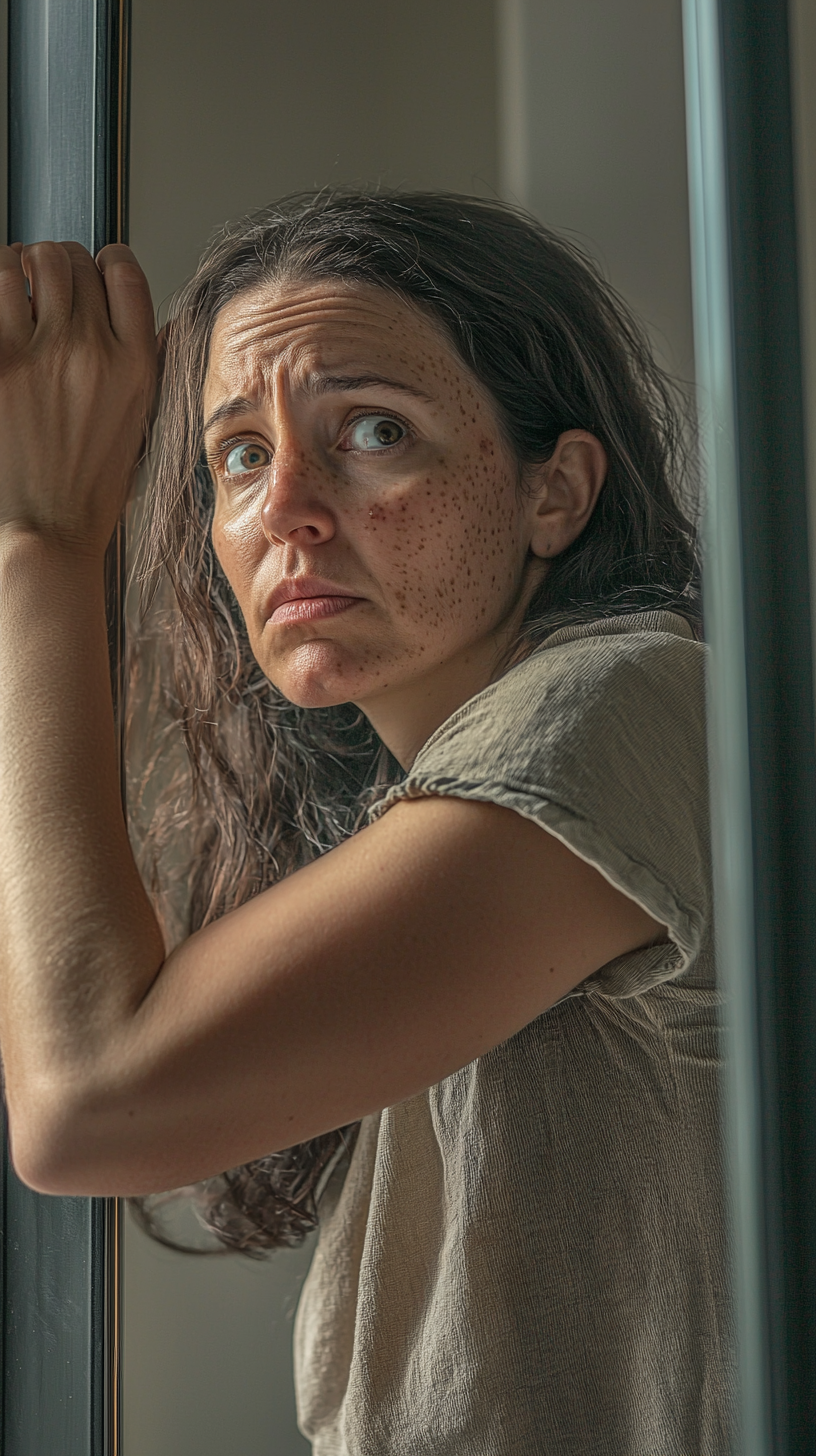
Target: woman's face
[{"x": 368, "y": 514}]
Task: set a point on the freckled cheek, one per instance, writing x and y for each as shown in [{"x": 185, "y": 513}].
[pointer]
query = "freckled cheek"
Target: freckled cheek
[
  {"x": 450, "y": 549},
  {"x": 389, "y": 513},
  {"x": 374, "y": 516}
]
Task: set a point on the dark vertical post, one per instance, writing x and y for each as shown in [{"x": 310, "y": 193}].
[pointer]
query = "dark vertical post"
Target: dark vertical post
[
  {"x": 763, "y": 735},
  {"x": 68, "y": 163}
]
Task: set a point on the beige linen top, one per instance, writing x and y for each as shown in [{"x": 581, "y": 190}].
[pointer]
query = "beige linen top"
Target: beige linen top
[{"x": 528, "y": 1259}]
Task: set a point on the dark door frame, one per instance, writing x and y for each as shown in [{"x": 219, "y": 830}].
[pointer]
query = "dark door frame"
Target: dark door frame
[
  {"x": 762, "y": 736},
  {"x": 68, "y": 97}
]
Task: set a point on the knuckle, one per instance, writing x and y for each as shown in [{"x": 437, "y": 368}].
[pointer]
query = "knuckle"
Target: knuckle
[
  {"x": 78, "y": 254},
  {"x": 44, "y": 250}
]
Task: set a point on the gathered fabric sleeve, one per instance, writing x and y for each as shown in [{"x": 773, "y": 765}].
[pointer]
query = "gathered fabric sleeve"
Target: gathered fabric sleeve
[{"x": 599, "y": 737}]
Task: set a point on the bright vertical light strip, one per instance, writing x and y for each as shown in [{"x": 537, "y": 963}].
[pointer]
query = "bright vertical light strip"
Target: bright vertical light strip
[
  {"x": 514, "y": 120},
  {"x": 727, "y": 702}
]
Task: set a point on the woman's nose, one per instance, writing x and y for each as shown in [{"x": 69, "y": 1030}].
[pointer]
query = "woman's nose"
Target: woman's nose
[{"x": 295, "y": 510}]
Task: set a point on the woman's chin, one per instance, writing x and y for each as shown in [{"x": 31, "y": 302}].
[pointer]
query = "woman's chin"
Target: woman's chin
[{"x": 319, "y": 674}]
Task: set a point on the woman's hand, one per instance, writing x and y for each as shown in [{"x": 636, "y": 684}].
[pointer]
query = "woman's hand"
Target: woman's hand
[
  {"x": 77, "y": 377},
  {"x": 77, "y": 380}
]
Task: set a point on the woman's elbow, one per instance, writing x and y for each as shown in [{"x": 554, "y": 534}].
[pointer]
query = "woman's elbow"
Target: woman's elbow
[{"x": 53, "y": 1146}]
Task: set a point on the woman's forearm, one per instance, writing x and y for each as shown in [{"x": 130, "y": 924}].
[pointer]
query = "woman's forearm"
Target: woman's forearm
[{"x": 79, "y": 943}]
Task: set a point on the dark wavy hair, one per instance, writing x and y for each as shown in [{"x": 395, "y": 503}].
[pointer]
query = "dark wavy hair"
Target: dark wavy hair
[{"x": 265, "y": 786}]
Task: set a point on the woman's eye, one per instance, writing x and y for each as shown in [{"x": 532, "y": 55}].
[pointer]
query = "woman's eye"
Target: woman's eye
[
  {"x": 244, "y": 458},
  {"x": 375, "y": 432}
]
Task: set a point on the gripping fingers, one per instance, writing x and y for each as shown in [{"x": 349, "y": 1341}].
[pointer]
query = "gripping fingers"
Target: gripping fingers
[
  {"x": 129, "y": 302},
  {"x": 90, "y": 305},
  {"x": 16, "y": 319},
  {"x": 48, "y": 269}
]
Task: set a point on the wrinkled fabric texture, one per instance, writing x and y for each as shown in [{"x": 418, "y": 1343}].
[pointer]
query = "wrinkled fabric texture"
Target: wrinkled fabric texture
[{"x": 529, "y": 1259}]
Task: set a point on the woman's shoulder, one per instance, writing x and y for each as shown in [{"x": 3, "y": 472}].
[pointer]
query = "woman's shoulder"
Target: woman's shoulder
[
  {"x": 598, "y": 736},
  {"x": 633, "y": 682}
]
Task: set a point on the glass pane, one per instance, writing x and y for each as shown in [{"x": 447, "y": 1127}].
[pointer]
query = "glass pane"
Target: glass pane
[{"x": 574, "y": 110}]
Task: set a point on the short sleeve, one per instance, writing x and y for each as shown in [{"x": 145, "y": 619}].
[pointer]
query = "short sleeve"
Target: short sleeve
[{"x": 599, "y": 737}]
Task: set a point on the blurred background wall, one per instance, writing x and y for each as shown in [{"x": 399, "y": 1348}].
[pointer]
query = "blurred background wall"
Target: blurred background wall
[
  {"x": 235, "y": 104},
  {"x": 573, "y": 108},
  {"x": 592, "y": 139}
]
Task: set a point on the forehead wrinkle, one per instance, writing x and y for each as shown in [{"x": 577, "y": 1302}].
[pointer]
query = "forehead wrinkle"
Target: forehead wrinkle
[
  {"x": 254, "y": 370},
  {"x": 299, "y": 337},
  {"x": 323, "y": 298},
  {"x": 258, "y": 320},
  {"x": 277, "y": 316},
  {"x": 250, "y": 375},
  {"x": 316, "y": 384}
]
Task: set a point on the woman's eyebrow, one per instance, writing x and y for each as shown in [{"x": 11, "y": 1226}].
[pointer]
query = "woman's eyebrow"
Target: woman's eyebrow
[
  {"x": 317, "y": 384},
  {"x": 228, "y": 408},
  {"x": 342, "y": 383}
]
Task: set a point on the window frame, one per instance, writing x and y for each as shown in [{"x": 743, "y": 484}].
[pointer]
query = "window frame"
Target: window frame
[
  {"x": 68, "y": 109},
  {"x": 762, "y": 730}
]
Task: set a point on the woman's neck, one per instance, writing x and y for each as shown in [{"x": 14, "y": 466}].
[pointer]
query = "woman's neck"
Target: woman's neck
[{"x": 404, "y": 717}]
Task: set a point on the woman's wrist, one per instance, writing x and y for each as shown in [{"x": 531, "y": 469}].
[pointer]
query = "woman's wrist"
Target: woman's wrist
[{"x": 25, "y": 548}]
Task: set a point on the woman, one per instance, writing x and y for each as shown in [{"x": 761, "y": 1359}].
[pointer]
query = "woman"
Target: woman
[{"x": 416, "y": 488}]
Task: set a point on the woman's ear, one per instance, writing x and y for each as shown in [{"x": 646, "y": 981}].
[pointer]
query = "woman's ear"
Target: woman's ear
[{"x": 564, "y": 490}]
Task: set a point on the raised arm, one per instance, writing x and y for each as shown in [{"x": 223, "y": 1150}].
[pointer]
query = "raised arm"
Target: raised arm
[{"x": 420, "y": 943}]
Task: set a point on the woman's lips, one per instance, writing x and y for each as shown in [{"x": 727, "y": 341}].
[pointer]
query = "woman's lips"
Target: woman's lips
[
  {"x": 309, "y": 609},
  {"x": 307, "y": 598}
]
